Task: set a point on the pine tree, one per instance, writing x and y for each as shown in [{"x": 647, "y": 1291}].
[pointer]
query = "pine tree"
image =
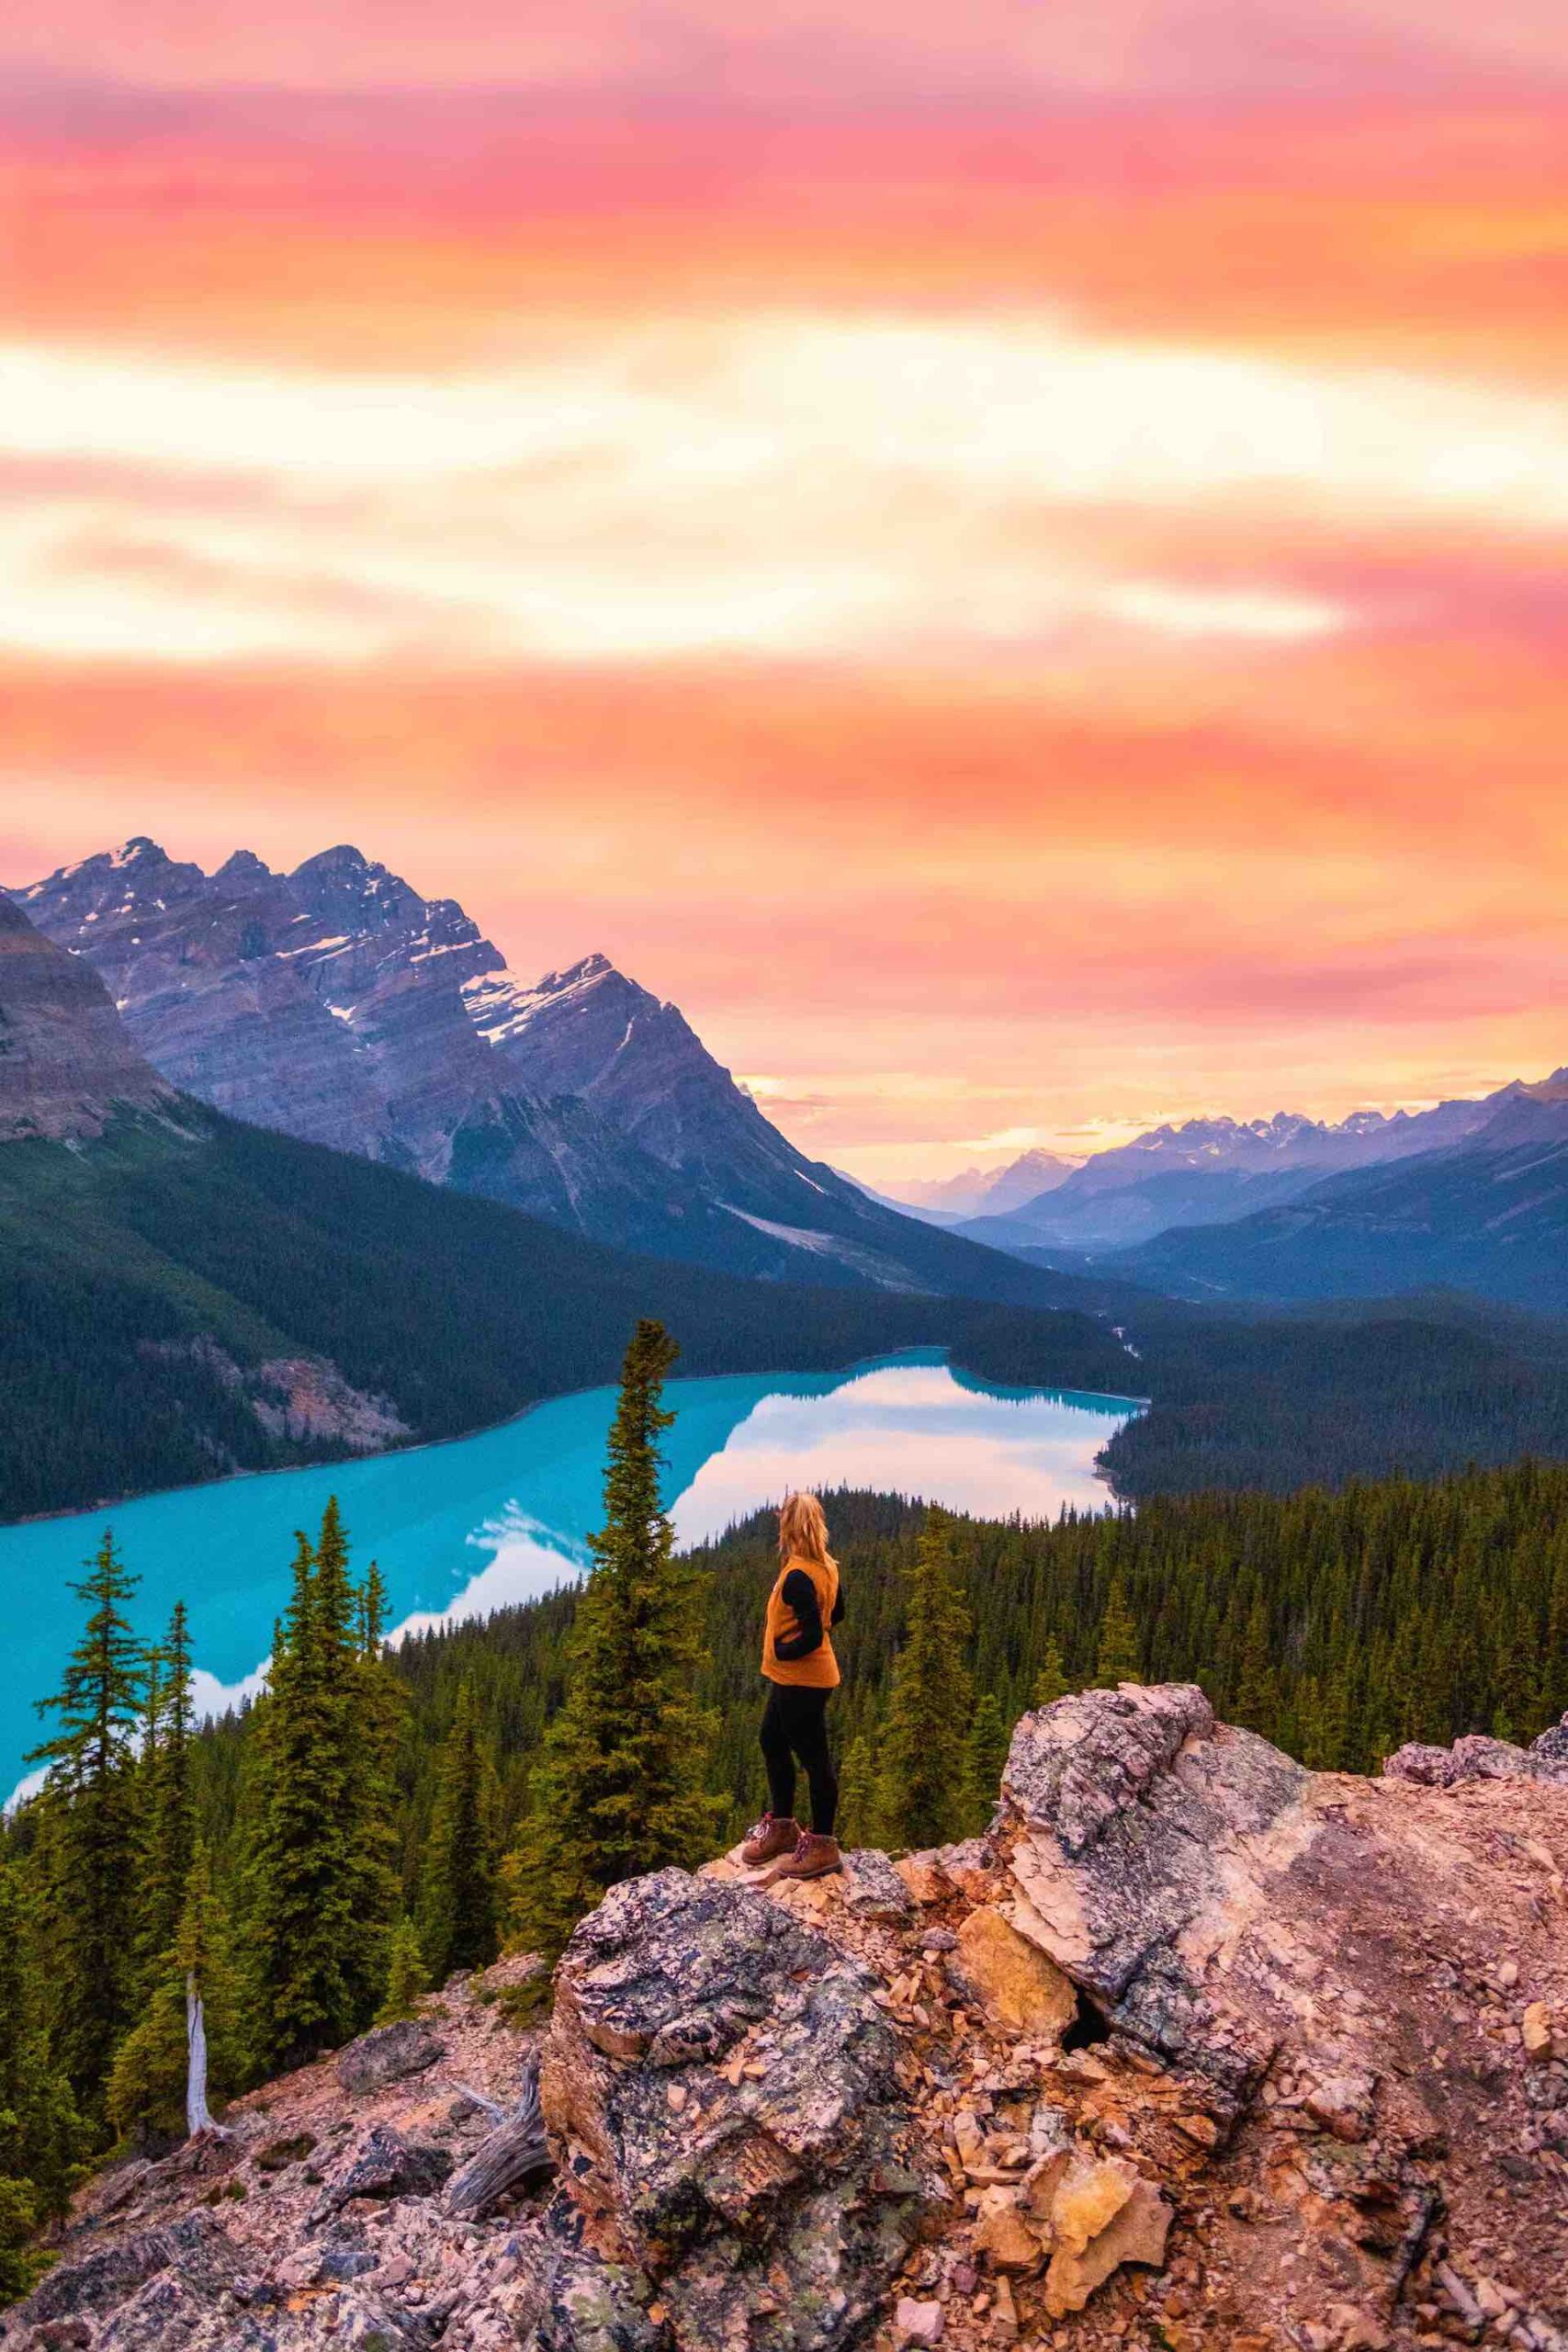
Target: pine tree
[
  {"x": 1256, "y": 1700},
  {"x": 1329, "y": 1731},
  {"x": 301, "y": 1929},
  {"x": 619, "y": 1786},
  {"x": 168, "y": 1807},
  {"x": 41, "y": 2135},
  {"x": 376, "y": 1709},
  {"x": 1116, "y": 1656},
  {"x": 22, "y": 2261},
  {"x": 406, "y": 1977},
  {"x": 989, "y": 1739},
  {"x": 858, "y": 1819},
  {"x": 147, "y": 2088},
  {"x": 91, "y": 1791},
  {"x": 1554, "y": 1666},
  {"x": 1051, "y": 1683},
  {"x": 457, "y": 1915},
  {"x": 926, "y": 1747}
]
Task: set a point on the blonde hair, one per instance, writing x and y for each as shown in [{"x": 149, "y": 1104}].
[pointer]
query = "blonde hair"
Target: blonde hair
[{"x": 803, "y": 1531}]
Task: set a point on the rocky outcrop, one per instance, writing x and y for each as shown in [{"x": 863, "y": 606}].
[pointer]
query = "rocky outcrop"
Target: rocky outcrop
[
  {"x": 1195, "y": 2050},
  {"x": 1481, "y": 1758},
  {"x": 66, "y": 1063},
  {"x": 725, "y": 2088}
]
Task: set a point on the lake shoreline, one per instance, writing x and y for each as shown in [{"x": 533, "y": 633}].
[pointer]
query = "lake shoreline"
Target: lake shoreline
[{"x": 509, "y": 1421}]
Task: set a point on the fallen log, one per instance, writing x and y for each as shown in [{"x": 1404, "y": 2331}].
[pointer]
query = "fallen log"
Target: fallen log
[{"x": 516, "y": 2151}]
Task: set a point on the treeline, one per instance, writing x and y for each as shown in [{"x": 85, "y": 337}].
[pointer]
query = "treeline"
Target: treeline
[{"x": 1419, "y": 1386}]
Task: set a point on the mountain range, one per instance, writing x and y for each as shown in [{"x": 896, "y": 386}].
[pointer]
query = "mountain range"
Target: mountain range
[
  {"x": 1207, "y": 1171},
  {"x": 183, "y": 1294},
  {"x": 337, "y": 1005},
  {"x": 1488, "y": 1214}
]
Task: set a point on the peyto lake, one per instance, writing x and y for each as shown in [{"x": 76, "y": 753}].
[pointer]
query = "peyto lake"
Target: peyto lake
[{"x": 467, "y": 1527}]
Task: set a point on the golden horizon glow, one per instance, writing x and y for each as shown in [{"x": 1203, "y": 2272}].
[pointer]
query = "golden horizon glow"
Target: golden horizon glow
[{"x": 1013, "y": 563}]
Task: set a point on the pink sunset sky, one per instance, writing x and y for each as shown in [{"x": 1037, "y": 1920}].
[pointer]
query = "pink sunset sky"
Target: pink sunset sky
[{"x": 1010, "y": 558}]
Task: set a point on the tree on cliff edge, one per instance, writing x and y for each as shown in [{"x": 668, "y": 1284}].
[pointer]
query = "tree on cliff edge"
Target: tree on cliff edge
[{"x": 619, "y": 1789}]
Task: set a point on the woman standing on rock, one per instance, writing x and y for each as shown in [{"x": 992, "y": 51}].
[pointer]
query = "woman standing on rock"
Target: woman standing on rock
[{"x": 798, "y": 1662}]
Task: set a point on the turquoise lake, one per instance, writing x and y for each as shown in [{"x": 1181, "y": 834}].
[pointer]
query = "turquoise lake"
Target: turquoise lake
[{"x": 462, "y": 1528}]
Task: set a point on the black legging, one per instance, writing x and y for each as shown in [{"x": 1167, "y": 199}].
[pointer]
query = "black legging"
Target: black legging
[{"x": 795, "y": 1725}]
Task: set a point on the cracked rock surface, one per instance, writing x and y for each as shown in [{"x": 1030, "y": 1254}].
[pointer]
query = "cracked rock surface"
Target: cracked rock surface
[{"x": 1194, "y": 2049}]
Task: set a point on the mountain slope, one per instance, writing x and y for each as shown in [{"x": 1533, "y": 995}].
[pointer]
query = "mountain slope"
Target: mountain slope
[
  {"x": 66, "y": 1063},
  {"x": 182, "y": 1295},
  {"x": 184, "y": 1299},
  {"x": 1491, "y": 1218},
  {"x": 986, "y": 1192},
  {"x": 337, "y": 1005}
]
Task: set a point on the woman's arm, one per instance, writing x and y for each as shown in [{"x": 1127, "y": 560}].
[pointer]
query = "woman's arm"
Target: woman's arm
[{"x": 799, "y": 1595}]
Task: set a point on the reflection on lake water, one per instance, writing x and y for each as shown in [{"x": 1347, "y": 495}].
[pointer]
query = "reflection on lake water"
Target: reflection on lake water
[{"x": 489, "y": 1521}]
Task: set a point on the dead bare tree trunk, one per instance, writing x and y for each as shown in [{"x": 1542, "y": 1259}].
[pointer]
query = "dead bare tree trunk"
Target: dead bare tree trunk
[
  {"x": 198, "y": 2118},
  {"x": 506, "y": 2157}
]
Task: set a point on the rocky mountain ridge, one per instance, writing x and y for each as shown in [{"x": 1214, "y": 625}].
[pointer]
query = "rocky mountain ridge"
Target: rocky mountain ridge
[
  {"x": 338, "y": 1005},
  {"x": 1216, "y": 1171},
  {"x": 1194, "y": 2049},
  {"x": 1489, "y": 1214},
  {"x": 66, "y": 1064}
]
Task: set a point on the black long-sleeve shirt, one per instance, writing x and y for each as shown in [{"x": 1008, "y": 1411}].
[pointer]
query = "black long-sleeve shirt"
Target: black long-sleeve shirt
[{"x": 799, "y": 1594}]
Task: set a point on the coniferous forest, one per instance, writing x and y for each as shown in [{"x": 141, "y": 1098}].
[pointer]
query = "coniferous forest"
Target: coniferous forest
[{"x": 380, "y": 1817}]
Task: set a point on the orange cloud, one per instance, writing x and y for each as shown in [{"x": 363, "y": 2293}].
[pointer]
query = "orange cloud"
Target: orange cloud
[{"x": 1016, "y": 615}]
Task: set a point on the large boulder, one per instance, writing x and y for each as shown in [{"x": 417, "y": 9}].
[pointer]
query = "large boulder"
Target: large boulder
[
  {"x": 1134, "y": 1817},
  {"x": 383, "y": 2163},
  {"x": 726, "y": 2090},
  {"x": 1346, "y": 1975},
  {"x": 387, "y": 2054}
]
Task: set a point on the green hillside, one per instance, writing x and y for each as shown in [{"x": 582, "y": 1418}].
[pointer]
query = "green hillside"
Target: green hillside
[{"x": 147, "y": 1281}]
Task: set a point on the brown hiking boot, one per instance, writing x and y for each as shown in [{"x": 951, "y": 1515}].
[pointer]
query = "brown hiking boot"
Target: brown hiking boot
[
  {"x": 813, "y": 1856},
  {"x": 770, "y": 1838}
]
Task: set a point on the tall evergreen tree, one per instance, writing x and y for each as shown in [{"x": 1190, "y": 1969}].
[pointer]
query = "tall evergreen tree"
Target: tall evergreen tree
[
  {"x": 988, "y": 1743},
  {"x": 41, "y": 2134},
  {"x": 858, "y": 1817},
  {"x": 304, "y": 1936},
  {"x": 168, "y": 1807},
  {"x": 619, "y": 1787},
  {"x": 1258, "y": 1691},
  {"x": 1554, "y": 1670},
  {"x": 91, "y": 1787},
  {"x": 925, "y": 1784},
  {"x": 458, "y": 1912},
  {"x": 1116, "y": 1656},
  {"x": 1051, "y": 1683},
  {"x": 407, "y": 1977}
]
